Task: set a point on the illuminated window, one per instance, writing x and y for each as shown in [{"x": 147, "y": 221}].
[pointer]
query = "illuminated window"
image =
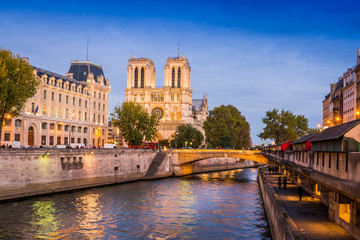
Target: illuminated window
[{"x": 344, "y": 212}]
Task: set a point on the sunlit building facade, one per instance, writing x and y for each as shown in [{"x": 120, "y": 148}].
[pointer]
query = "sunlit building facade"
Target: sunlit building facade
[
  {"x": 70, "y": 109},
  {"x": 172, "y": 103}
]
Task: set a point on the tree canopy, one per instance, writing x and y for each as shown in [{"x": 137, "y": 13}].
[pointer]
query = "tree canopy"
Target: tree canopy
[
  {"x": 17, "y": 84},
  {"x": 135, "y": 123},
  {"x": 284, "y": 126},
  {"x": 226, "y": 127},
  {"x": 187, "y": 135}
]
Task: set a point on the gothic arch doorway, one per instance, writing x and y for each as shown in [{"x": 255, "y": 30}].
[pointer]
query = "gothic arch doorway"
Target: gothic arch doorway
[{"x": 31, "y": 136}]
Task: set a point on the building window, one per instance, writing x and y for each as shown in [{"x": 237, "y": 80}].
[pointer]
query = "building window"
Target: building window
[
  {"x": 67, "y": 99},
  {"x": 32, "y": 107},
  {"x": 79, "y": 102},
  {"x": 52, "y": 126},
  {"x": 7, "y": 137},
  {"x": 72, "y": 140},
  {"x": 52, "y": 96},
  {"x": 172, "y": 97},
  {"x": 59, "y": 127},
  {"x": 85, "y": 117},
  {"x": 17, "y": 137},
  {"x": 179, "y": 78},
  {"x": 66, "y": 140},
  {"x": 79, "y": 129},
  {"x": 142, "y": 78},
  {"x": 86, "y": 103},
  {"x": 43, "y": 140},
  {"x": 73, "y": 101},
  {"x": 98, "y": 118},
  {"x": 73, "y": 115},
  {"x": 7, "y": 122},
  {"x": 44, "y": 94},
  {"x": 51, "y": 142},
  {"x": 72, "y": 128},
  {"x": 59, "y": 98},
  {"x": 104, "y": 96},
  {"x": 44, "y": 109},
  {"x": 52, "y": 111},
  {"x": 99, "y": 106},
  {"x": 94, "y": 94},
  {"x": 103, "y": 119},
  {"x": 79, "y": 140},
  {"x": 99, "y": 95},
  {"x": 173, "y": 77},
  {"x": 136, "y": 78},
  {"x": 103, "y": 132},
  {"x": 79, "y": 117},
  {"x": 85, "y": 129},
  {"x": 94, "y": 118},
  {"x": 58, "y": 140},
  {"x": 44, "y": 125},
  {"x": 104, "y": 107},
  {"x": 66, "y": 128},
  {"x": 94, "y": 105}
]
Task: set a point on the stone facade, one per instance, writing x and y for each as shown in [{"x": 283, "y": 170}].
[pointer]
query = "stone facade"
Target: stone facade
[
  {"x": 172, "y": 103},
  {"x": 71, "y": 109}
]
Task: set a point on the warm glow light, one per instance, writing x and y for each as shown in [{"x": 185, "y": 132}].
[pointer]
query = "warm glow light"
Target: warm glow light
[
  {"x": 357, "y": 113},
  {"x": 319, "y": 125},
  {"x": 60, "y": 123},
  {"x": 8, "y": 116},
  {"x": 328, "y": 121},
  {"x": 337, "y": 119}
]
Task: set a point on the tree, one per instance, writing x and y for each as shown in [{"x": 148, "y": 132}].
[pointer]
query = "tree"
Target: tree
[
  {"x": 284, "y": 126},
  {"x": 135, "y": 123},
  {"x": 226, "y": 127},
  {"x": 17, "y": 84},
  {"x": 187, "y": 135}
]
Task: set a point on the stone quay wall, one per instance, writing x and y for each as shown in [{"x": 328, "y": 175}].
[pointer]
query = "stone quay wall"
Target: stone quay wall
[
  {"x": 281, "y": 224},
  {"x": 26, "y": 170}
]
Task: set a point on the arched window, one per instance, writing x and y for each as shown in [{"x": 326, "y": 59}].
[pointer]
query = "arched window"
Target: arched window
[
  {"x": 142, "y": 77},
  {"x": 136, "y": 78},
  {"x": 179, "y": 78},
  {"x": 173, "y": 77}
]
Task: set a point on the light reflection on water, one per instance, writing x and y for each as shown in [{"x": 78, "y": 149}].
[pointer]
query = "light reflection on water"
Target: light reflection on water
[{"x": 219, "y": 205}]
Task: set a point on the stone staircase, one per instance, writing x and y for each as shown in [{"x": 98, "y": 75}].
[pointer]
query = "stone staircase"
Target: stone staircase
[{"x": 154, "y": 166}]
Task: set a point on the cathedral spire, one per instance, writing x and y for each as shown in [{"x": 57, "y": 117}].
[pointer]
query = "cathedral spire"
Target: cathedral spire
[{"x": 178, "y": 49}]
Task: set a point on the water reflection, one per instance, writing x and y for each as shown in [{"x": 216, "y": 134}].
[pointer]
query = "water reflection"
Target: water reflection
[{"x": 219, "y": 205}]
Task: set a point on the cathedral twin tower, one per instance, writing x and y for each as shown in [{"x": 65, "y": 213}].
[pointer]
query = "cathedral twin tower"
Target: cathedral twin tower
[{"x": 173, "y": 103}]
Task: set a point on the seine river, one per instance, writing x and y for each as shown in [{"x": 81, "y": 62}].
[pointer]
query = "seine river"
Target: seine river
[{"x": 218, "y": 205}]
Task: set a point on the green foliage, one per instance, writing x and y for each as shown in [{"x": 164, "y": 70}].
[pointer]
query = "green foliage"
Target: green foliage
[
  {"x": 187, "y": 135},
  {"x": 135, "y": 123},
  {"x": 226, "y": 127},
  {"x": 284, "y": 126},
  {"x": 17, "y": 84},
  {"x": 164, "y": 143},
  {"x": 312, "y": 130}
]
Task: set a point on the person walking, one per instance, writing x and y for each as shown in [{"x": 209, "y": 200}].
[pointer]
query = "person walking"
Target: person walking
[
  {"x": 279, "y": 182},
  {"x": 284, "y": 182},
  {"x": 300, "y": 192}
]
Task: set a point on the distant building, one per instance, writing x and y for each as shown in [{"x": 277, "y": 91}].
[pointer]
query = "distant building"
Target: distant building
[
  {"x": 114, "y": 135},
  {"x": 172, "y": 103},
  {"x": 65, "y": 110}
]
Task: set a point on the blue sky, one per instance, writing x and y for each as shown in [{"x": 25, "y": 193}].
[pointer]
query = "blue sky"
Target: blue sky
[{"x": 255, "y": 55}]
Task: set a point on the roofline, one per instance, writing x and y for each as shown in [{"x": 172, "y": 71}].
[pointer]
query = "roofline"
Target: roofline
[{"x": 87, "y": 62}]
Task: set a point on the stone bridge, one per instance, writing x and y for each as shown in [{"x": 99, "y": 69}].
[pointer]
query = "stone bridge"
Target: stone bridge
[
  {"x": 189, "y": 161},
  {"x": 192, "y": 155}
]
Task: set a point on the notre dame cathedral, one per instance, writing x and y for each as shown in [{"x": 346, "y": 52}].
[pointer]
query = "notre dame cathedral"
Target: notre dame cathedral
[{"x": 173, "y": 103}]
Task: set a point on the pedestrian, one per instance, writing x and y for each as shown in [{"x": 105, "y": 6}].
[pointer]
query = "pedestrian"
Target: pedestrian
[
  {"x": 284, "y": 182},
  {"x": 300, "y": 192},
  {"x": 279, "y": 182}
]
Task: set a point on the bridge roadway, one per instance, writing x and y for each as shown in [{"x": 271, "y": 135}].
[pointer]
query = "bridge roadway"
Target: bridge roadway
[{"x": 185, "y": 156}]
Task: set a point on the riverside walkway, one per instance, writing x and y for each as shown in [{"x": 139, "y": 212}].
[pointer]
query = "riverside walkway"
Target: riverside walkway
[{"x": 310, "y": 215}]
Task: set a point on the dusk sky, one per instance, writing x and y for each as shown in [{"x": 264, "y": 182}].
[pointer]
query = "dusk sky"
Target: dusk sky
[{"x": 255, "y": 55}]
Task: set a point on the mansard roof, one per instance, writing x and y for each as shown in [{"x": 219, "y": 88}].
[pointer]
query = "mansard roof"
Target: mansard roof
[
  {"x": 335, "y": 132},
  {"x": 50, "y": 74},
  {"x": 81, "y": 70}
]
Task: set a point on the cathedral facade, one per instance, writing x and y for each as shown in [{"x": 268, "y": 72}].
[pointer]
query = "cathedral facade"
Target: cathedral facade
[{"x": 172, "y": 103}]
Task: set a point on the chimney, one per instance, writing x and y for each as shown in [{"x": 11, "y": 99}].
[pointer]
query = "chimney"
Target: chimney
[{"x": 358, "y": 57}]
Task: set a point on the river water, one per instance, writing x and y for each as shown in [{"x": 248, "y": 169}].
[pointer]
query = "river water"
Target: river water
[{"x": 217, "y": 205}]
